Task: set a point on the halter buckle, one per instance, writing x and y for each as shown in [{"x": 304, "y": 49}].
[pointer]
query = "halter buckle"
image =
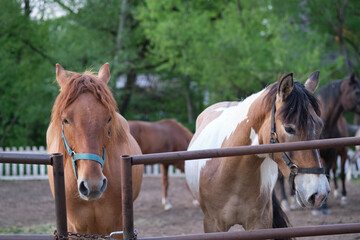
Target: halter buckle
[
  {"x": 72, "y": 153},
  {"x": 273, "y": 137},
  {"x": 294, "y": 168}
]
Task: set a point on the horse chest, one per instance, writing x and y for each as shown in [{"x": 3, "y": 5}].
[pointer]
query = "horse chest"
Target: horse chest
[{"x": 93, "y": 217}]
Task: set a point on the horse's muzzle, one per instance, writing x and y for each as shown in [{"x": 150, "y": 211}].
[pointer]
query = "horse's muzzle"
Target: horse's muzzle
[{"x": 89, "y": 190}]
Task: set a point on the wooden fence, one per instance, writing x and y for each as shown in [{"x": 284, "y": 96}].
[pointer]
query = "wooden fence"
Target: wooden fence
[{"x": 39, "y": 172}]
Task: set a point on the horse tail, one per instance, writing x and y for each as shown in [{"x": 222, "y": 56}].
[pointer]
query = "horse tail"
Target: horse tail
[{"x": 280, "y": 219}]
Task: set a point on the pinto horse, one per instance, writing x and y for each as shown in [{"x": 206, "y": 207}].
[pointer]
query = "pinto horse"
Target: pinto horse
[
  {"x": 166, "y": 135},
  {"x": 86, "y": 128},
  {"x": 239, "y": 190}
]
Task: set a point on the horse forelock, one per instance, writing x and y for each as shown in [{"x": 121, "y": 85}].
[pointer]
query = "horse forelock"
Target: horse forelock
[
  {"x": 78, "y": 84},
  {"x": 296, "y": 105}
]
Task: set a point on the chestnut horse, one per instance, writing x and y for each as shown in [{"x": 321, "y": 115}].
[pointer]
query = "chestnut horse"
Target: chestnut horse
[
  {"x": 239, "y": 190},
  {"x": 86, "y": 128},
  {"x": 166, "y": 135}
]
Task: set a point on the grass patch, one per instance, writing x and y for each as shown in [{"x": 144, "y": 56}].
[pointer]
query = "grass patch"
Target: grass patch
[
  {"x": 36, "y": 229},
  {"x": 356, "y": 181}
]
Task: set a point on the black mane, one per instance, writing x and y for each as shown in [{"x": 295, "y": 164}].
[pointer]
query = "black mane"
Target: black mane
[{"x": 296, "y": 106}]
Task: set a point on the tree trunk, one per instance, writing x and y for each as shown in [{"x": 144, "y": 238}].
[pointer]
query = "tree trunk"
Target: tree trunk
[
  {"x": 189, "y": 100},
  {"x": 340, "y": 11},
  {"x": 119, "y": 43},
  {"x": 128, "y": 91}
]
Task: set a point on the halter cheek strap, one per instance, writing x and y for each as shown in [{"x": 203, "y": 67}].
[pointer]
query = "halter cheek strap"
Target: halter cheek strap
[
  {"x": 294, "y": 169},
  {"x": 81, "y": 156}
]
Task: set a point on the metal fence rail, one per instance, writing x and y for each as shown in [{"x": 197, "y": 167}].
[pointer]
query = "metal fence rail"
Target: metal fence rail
[
  {"x": 273, "y": 233},
  {"x": 56, "y": 160},
  {"x": 126, "y": 182},
  {"x": 31, "y": 171}
]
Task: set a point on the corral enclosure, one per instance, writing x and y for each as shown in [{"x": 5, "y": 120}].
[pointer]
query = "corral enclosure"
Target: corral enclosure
[
  {"x": 29, "y": 203},
  {"x": 185, "y": 219}
]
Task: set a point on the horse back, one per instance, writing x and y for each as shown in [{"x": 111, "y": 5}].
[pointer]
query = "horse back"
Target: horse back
[
  {"x": 208, "y": 115},
  {"x": 162, "y": 136}
]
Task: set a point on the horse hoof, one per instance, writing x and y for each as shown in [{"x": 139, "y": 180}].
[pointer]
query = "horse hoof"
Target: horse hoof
[
  {"x": 285, "y": 205},
  {"x": 196, "y": 203},
  {"x": 344, "y": 200},
  {"x": 167, "y": 207},
  {"x": 166, "y": 203},
  {"x": 337, "y": 194}
]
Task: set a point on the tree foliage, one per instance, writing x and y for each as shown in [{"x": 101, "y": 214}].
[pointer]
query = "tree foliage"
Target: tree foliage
[{"x": 195, "y": 53}]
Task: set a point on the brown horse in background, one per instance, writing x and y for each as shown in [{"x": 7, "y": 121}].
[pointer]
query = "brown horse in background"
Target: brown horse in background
[
  {"x": 86, "y": 128},
  {"x": 166, "y": 135}
]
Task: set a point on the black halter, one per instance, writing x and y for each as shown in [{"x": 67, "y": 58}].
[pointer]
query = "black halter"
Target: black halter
[{"x": 294, "y": 169}]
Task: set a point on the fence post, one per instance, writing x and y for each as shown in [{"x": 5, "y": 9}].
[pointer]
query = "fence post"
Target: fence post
[
  {"x": 59, "y": 192},
  {"x": 127, "y": 195}
]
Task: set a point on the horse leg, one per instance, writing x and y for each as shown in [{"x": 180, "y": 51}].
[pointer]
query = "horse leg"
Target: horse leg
[
  {"x": 165, "y": 182},
  {"x": 195, "y": 202},
  {"x": 209, "y": 224},
  {"x": 353, "y": 161},
  {"x": 344, "y": 199},
  {"x": 334, "y": 169}
]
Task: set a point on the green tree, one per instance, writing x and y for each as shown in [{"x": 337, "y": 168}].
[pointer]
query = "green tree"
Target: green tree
[{"x": 25, "y": 68}]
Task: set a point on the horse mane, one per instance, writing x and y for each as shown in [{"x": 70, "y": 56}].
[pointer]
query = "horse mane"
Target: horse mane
[
  {"x": 84, "y": 83},
  {"x": 296, "y": 105}
]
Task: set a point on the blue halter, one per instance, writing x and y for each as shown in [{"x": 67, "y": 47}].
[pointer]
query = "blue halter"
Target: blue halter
[{"x": 78, "y": 156}]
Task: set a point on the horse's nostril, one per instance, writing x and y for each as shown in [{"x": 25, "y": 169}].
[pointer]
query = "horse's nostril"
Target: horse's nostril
[
  {"x": 103, "y": 187},
  {"x": 83, "y": 188},
  {"x": 312, "y": 199}
]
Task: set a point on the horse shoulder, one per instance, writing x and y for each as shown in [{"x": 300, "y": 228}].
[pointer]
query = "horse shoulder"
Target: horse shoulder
[{"x": 131, "y": 148}]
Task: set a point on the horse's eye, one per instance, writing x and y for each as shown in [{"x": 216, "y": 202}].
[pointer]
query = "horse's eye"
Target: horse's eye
[
  {"x": 290, "y": 130},
  {"x": 108, "y": 121},
  {"x": 66, "y": 121}
]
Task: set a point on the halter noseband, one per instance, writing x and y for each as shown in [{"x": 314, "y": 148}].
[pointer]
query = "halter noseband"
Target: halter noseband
[
  {"x": 81, "y": 156},
  {"x": 294, "y": 169}
]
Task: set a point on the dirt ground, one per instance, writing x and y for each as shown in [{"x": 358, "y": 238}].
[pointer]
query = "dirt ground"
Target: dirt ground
[{"x": 26, "y": 203}]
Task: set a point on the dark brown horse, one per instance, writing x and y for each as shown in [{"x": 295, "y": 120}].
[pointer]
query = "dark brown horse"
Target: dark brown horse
[
  {"x": 166, "y": 135},
  {"x": 342, "y": 153}
]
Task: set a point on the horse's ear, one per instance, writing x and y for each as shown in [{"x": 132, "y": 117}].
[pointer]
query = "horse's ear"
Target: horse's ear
[
  {"x": 286, "y": 85},
  {"x": 104, "y": 73},
  {"x": 61, "y": 77},
  {"x": 312, "y": 82},
  {"x": 352, "y": 77}
]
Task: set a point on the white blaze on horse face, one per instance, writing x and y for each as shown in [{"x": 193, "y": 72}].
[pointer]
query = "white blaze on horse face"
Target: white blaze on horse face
[{"x": 213, "y": 136}]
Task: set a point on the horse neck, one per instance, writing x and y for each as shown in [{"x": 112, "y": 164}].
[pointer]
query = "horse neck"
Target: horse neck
[{"x": 331, "y": 112}]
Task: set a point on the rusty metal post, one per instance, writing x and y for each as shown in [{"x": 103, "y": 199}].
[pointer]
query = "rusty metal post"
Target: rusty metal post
[
  {"x": 127, "y": 197},
  {"x": 59, "y": 192}
]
